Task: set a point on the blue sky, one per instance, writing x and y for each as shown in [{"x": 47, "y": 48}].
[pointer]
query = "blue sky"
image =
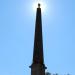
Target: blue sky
[{"x": 17, "y": 25}]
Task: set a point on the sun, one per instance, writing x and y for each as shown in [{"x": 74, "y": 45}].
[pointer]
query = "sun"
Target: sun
[{"x": 42, "y": 3}]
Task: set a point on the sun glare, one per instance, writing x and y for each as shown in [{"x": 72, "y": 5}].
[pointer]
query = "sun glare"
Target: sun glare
[{"x": 42, "y": 3}]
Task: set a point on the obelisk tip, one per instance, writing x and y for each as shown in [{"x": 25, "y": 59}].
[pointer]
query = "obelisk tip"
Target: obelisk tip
[{"x": 39, "y": 5}]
